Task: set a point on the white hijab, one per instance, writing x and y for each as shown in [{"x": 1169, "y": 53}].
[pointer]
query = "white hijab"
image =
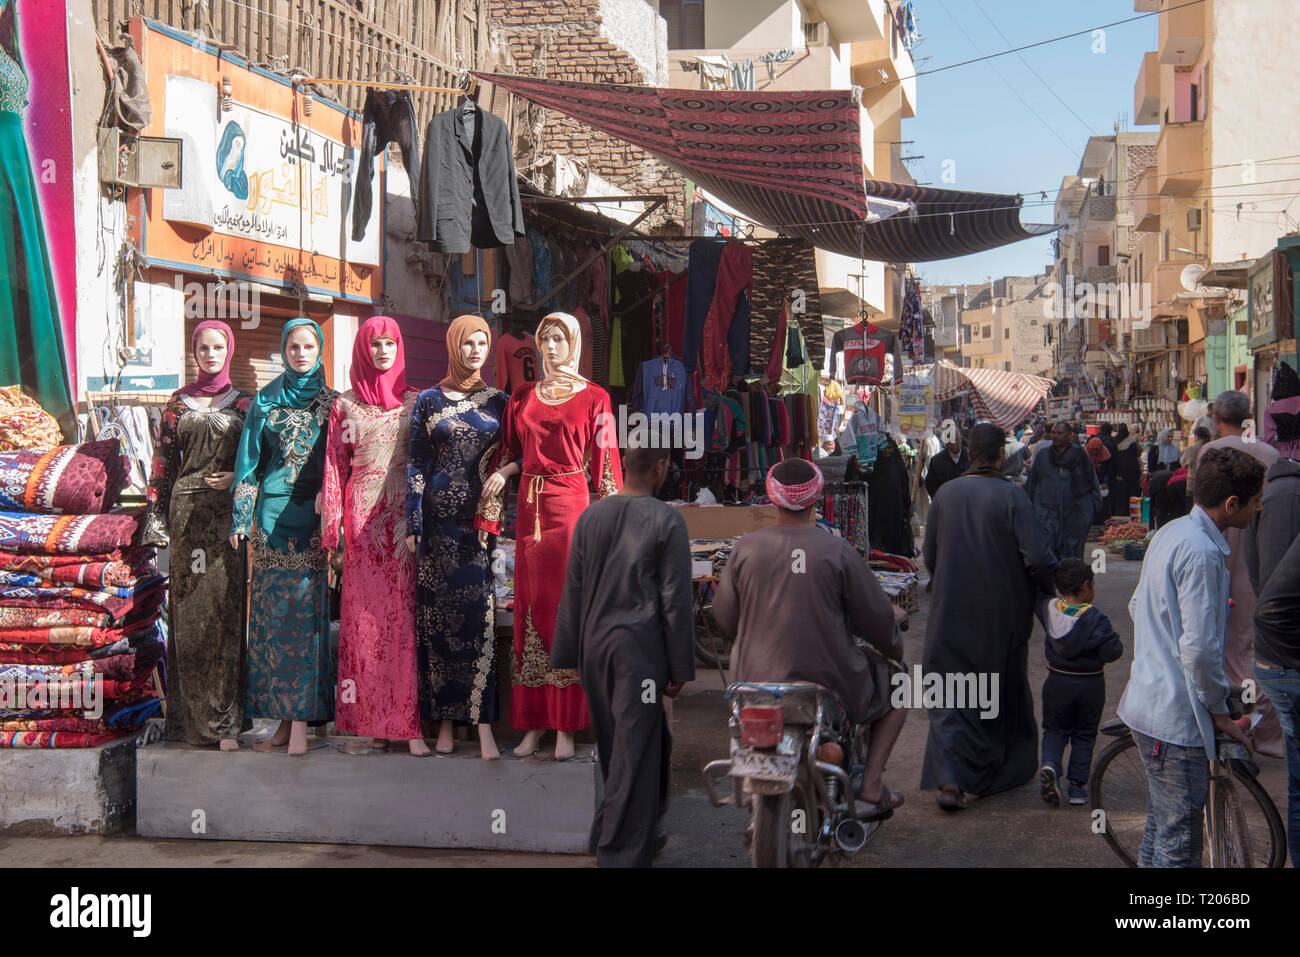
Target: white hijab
[{"x": 562, "y": 379}]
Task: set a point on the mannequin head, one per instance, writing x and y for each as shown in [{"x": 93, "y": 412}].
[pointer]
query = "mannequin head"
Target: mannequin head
[
  {"x": 474, "y": 351},
  {"x": 301, "y": 349},
  {"x": 553, "y": 343},
  {"x": 211, "y": 351},
  {"x": 383, "y": 352}
]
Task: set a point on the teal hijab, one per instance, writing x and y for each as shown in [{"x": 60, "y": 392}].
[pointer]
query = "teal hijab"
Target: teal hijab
[
  {"x": 295, "y": 390},
  {"x": 290, "y": 389}
]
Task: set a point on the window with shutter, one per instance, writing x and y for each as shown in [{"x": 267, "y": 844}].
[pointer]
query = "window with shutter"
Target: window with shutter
[{"x": 685, "y": 23}]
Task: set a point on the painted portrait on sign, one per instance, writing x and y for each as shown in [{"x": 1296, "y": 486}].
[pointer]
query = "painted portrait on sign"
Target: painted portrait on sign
[{"x": 230, "y": 160}]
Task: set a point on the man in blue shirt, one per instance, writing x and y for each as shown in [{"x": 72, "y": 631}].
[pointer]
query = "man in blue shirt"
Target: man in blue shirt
[{"x": 1176, "y": 698}]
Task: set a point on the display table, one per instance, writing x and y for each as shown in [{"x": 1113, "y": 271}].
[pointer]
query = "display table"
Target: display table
[
  {"x": 395, "y": 799},
  {"x": 47, "y": 792}
]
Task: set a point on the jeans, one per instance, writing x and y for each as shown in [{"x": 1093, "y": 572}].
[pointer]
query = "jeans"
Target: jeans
[
  {"x": 1282, "y": 686},
  {"x": 1072, "y": 706},
  {"x": 1178, "y": 785}
]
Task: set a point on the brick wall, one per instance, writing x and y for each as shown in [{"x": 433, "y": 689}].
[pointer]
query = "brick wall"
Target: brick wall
[{"x": 575, "y": 49}]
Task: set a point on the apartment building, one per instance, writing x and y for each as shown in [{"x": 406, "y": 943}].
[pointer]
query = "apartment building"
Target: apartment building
[
  {"x": 997, "y": 324},
  {"x": 1222, "y": 186},
  {"x": 1097, "y": 207}
]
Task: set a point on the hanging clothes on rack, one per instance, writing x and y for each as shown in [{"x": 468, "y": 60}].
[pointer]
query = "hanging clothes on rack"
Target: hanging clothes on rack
[{"x": 388, "y": 116}]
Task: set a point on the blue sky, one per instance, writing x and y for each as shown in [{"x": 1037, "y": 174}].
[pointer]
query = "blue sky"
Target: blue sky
[{"x": 995, "y": 143}]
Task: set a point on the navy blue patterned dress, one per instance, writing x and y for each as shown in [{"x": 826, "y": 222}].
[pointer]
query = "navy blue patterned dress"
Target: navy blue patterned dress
[{"x": 453, "y": 444}]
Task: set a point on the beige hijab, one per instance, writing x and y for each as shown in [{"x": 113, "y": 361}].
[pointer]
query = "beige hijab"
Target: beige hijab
[
  {"x": 561, "y": 380},
  {"x": 460, "y": 377}
]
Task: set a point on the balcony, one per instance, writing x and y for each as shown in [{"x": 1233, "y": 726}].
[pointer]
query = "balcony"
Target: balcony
[
  {"x": 1180, "y": 157},
  {"x": 1146, "y": 92},
  {"x": 1155, "y": 338},
  {"x": 1145, "y": 202},
  {"x": 1181, "y": 33},
  {"x": 880, "y": 49},
  {"x": 1096, "y": 274},
  {"x": 813, "y": 68}
]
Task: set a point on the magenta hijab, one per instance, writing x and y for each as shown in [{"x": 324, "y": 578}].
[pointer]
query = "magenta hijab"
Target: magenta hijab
[
  {"x": 210, "y": 383},
  {"x": 373, "y": 387}
]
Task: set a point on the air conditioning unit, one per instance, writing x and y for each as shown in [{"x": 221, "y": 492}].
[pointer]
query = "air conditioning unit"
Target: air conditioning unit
[
  {"x": 816, "y": 33},
  {"x": 1194, "y": 219}
]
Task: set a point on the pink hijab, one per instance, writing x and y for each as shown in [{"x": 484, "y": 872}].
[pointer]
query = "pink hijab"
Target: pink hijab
[
  {"x": 210, "y": 383},
  {"x": 373, "y": 387}
]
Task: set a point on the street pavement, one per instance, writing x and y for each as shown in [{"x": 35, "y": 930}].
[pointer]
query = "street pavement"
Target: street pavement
[{"x": 1013, "y": 829}]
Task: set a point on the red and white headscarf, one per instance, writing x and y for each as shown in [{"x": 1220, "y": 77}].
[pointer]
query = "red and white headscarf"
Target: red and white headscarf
[{"x": 796, "y": 498}]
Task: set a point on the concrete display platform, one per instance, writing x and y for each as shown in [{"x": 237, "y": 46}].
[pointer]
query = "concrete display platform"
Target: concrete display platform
[
  {"x": 60, "y": 791},
  {"x": 328, "y": 796}
]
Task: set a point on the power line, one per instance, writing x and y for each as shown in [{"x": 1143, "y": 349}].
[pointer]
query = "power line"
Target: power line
[
  {"x": 1030, "y": 46},
  {"x": 979, "y": 6}
]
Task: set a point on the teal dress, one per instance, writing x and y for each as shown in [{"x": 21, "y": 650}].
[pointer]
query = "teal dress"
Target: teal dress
[
  {"x": 31, "y": 339},
  {"x": 279, "y": 470}
]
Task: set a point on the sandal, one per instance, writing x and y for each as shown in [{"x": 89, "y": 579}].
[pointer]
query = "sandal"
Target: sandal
[
  {"x": 949, "y": 801},
  {"x": 882, "y": 807}
]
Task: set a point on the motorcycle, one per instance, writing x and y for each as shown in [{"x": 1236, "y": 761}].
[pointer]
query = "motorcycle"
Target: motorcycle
[{"x": 796, "y": 760}]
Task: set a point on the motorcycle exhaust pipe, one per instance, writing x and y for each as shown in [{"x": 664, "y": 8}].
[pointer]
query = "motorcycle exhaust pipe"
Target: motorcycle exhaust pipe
[{"x": 851, "y": 836}]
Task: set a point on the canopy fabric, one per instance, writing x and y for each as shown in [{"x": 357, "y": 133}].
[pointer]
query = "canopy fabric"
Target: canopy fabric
[
  {"x": 790, "y": 160},
  {"x": 1003, "y": 398}
]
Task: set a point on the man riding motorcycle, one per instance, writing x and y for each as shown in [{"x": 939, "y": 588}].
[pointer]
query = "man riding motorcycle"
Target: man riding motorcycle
[{"x": 794, "y": 595}]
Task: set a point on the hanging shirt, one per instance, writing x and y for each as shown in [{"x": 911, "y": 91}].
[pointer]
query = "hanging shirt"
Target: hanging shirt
[
  {"x": 858, "y": 354},
  {"x": 517, "y": 362},
  {"x": 661, "y": 386}
]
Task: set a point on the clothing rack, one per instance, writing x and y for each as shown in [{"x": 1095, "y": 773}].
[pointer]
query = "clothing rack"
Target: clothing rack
[{"x": 379, "y": 85}]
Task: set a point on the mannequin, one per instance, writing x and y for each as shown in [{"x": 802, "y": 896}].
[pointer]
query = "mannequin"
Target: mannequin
[
  {"x": 365, "y": 490},
  {"x": 189, "y": 497},
  {"x": 867, "y": 350},
  {"x": 557, "y": 436},
  {"x": 455, "y": 434},
  {"x": 278, "y": 475}
]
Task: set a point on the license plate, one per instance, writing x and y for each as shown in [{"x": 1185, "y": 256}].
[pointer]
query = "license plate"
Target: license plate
[{"x": 764, "y": 765}]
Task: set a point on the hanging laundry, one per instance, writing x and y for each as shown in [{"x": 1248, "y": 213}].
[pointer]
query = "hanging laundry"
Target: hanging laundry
[
  {"x": 388, "y": 116},
  {"x": 715, "y": 72},
  {"x": 542, "y": 266},
  {"x": 742, "y": 75},
  {"x": 469, "y": 194}
]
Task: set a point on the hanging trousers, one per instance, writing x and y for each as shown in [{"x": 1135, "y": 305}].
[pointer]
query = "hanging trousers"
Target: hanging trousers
[
  {"x": 726, "y": 328},
  {"x": 387, "y": 117}
]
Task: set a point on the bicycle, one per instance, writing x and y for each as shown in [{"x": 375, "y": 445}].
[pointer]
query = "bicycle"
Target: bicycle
[{"x": 1242, "y": 825}]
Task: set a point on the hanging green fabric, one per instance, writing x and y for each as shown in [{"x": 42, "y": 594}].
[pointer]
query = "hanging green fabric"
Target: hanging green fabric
[{"x": 31, "y": 337}]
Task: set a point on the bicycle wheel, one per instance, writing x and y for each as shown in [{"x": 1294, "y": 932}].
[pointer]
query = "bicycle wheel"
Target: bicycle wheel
[
  {"x": 1250, "y": 830},
  {"x": 1118, "y": 789}
]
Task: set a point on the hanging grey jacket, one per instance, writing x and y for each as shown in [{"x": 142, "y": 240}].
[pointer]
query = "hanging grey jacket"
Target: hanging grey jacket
[{"x": 469, "y": 193}]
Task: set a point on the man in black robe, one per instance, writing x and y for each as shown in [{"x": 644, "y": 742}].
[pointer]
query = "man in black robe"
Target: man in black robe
[
  {"x": 625, "y": 622},
  {"x": 987, "y": 558}
]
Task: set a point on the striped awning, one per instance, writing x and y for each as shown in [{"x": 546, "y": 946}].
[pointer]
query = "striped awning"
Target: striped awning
[
  {"x": 790, "y": 160},
  {"x": 1004, "y": 398}
]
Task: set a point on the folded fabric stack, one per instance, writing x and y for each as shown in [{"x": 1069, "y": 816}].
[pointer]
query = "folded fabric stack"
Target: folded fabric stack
[{"x": 81, "y": 648}]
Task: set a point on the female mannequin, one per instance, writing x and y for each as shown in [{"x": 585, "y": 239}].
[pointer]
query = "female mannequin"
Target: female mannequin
[
  {"x": 554, "y": 428},
  {"x": 189, "y": 496},
  {"x": 365, "y": 481},
  {"x": 455, "y": 432},
  {"x": 278, "y": 476}
]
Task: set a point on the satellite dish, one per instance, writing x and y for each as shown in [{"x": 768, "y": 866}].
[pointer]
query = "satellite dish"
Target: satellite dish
[{"x": 1191, "y": 276}]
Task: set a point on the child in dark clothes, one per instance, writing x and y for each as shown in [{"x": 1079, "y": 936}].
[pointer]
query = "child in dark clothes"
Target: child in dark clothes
[{"x": 1080, "y": 642}]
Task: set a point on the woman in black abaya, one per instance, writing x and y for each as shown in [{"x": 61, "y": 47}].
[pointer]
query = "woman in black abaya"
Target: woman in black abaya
[{"x": 889, "y": 503}]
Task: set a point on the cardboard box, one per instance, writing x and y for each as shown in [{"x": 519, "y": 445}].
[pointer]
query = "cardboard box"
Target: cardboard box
[{"x": 725, "y": 521}]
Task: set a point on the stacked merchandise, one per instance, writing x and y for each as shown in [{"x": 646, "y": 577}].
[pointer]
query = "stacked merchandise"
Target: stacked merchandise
[
  {"x": 843, "y": 509},
  {"x": 80, "y": 608},
  {"x": 898, "y": 576}
]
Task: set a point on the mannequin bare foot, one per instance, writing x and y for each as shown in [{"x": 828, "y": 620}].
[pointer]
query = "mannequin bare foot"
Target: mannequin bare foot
[
  {"x": 229, "y": 744},
  {"x": 529, "y": 745},
  {"x": 563, "y": 745},
  {"x": 298, "y": 739},
  {"x": 419, "y": 748},
  {"x": 487, "y": 745},
  {"x": 277, "y": 740},
  {"x": 446, "y": 743}
]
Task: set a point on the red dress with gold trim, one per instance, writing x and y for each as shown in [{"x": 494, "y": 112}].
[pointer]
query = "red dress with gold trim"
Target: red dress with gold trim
[{"x": 566, "y": 449}]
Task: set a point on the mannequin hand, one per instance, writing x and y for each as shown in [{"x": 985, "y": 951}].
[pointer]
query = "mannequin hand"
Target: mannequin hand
[
  {"x": 234, "y": 541},
  {"x": 331, "y": 574},
  {"x": 219, "y": 480},
  {"x": 410, "y": 544},
  {"x": 494, "y": 485},
  {"x": 482, "y": 538},
  {"x": 319, "y": 496}
]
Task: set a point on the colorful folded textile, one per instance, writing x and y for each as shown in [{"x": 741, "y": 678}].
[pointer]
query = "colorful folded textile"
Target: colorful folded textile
[
  {"x": 148, "y": 649},
  {"x": 123, "y": 590},
  {"x": 24, "y": 424},
  {"x": 59, "y": 739},
  {"x": 66, "y": 534},
  {"x": 67, "y": 480},
  {"x": 137, "y": 601},
  {"x": 57, "y": 690},
  {"x": 127, "y": 716},
  {"x": 94, "y": 571},
  {"x": 82, "y": 636},
  {"x": 19, "y": 617}
]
